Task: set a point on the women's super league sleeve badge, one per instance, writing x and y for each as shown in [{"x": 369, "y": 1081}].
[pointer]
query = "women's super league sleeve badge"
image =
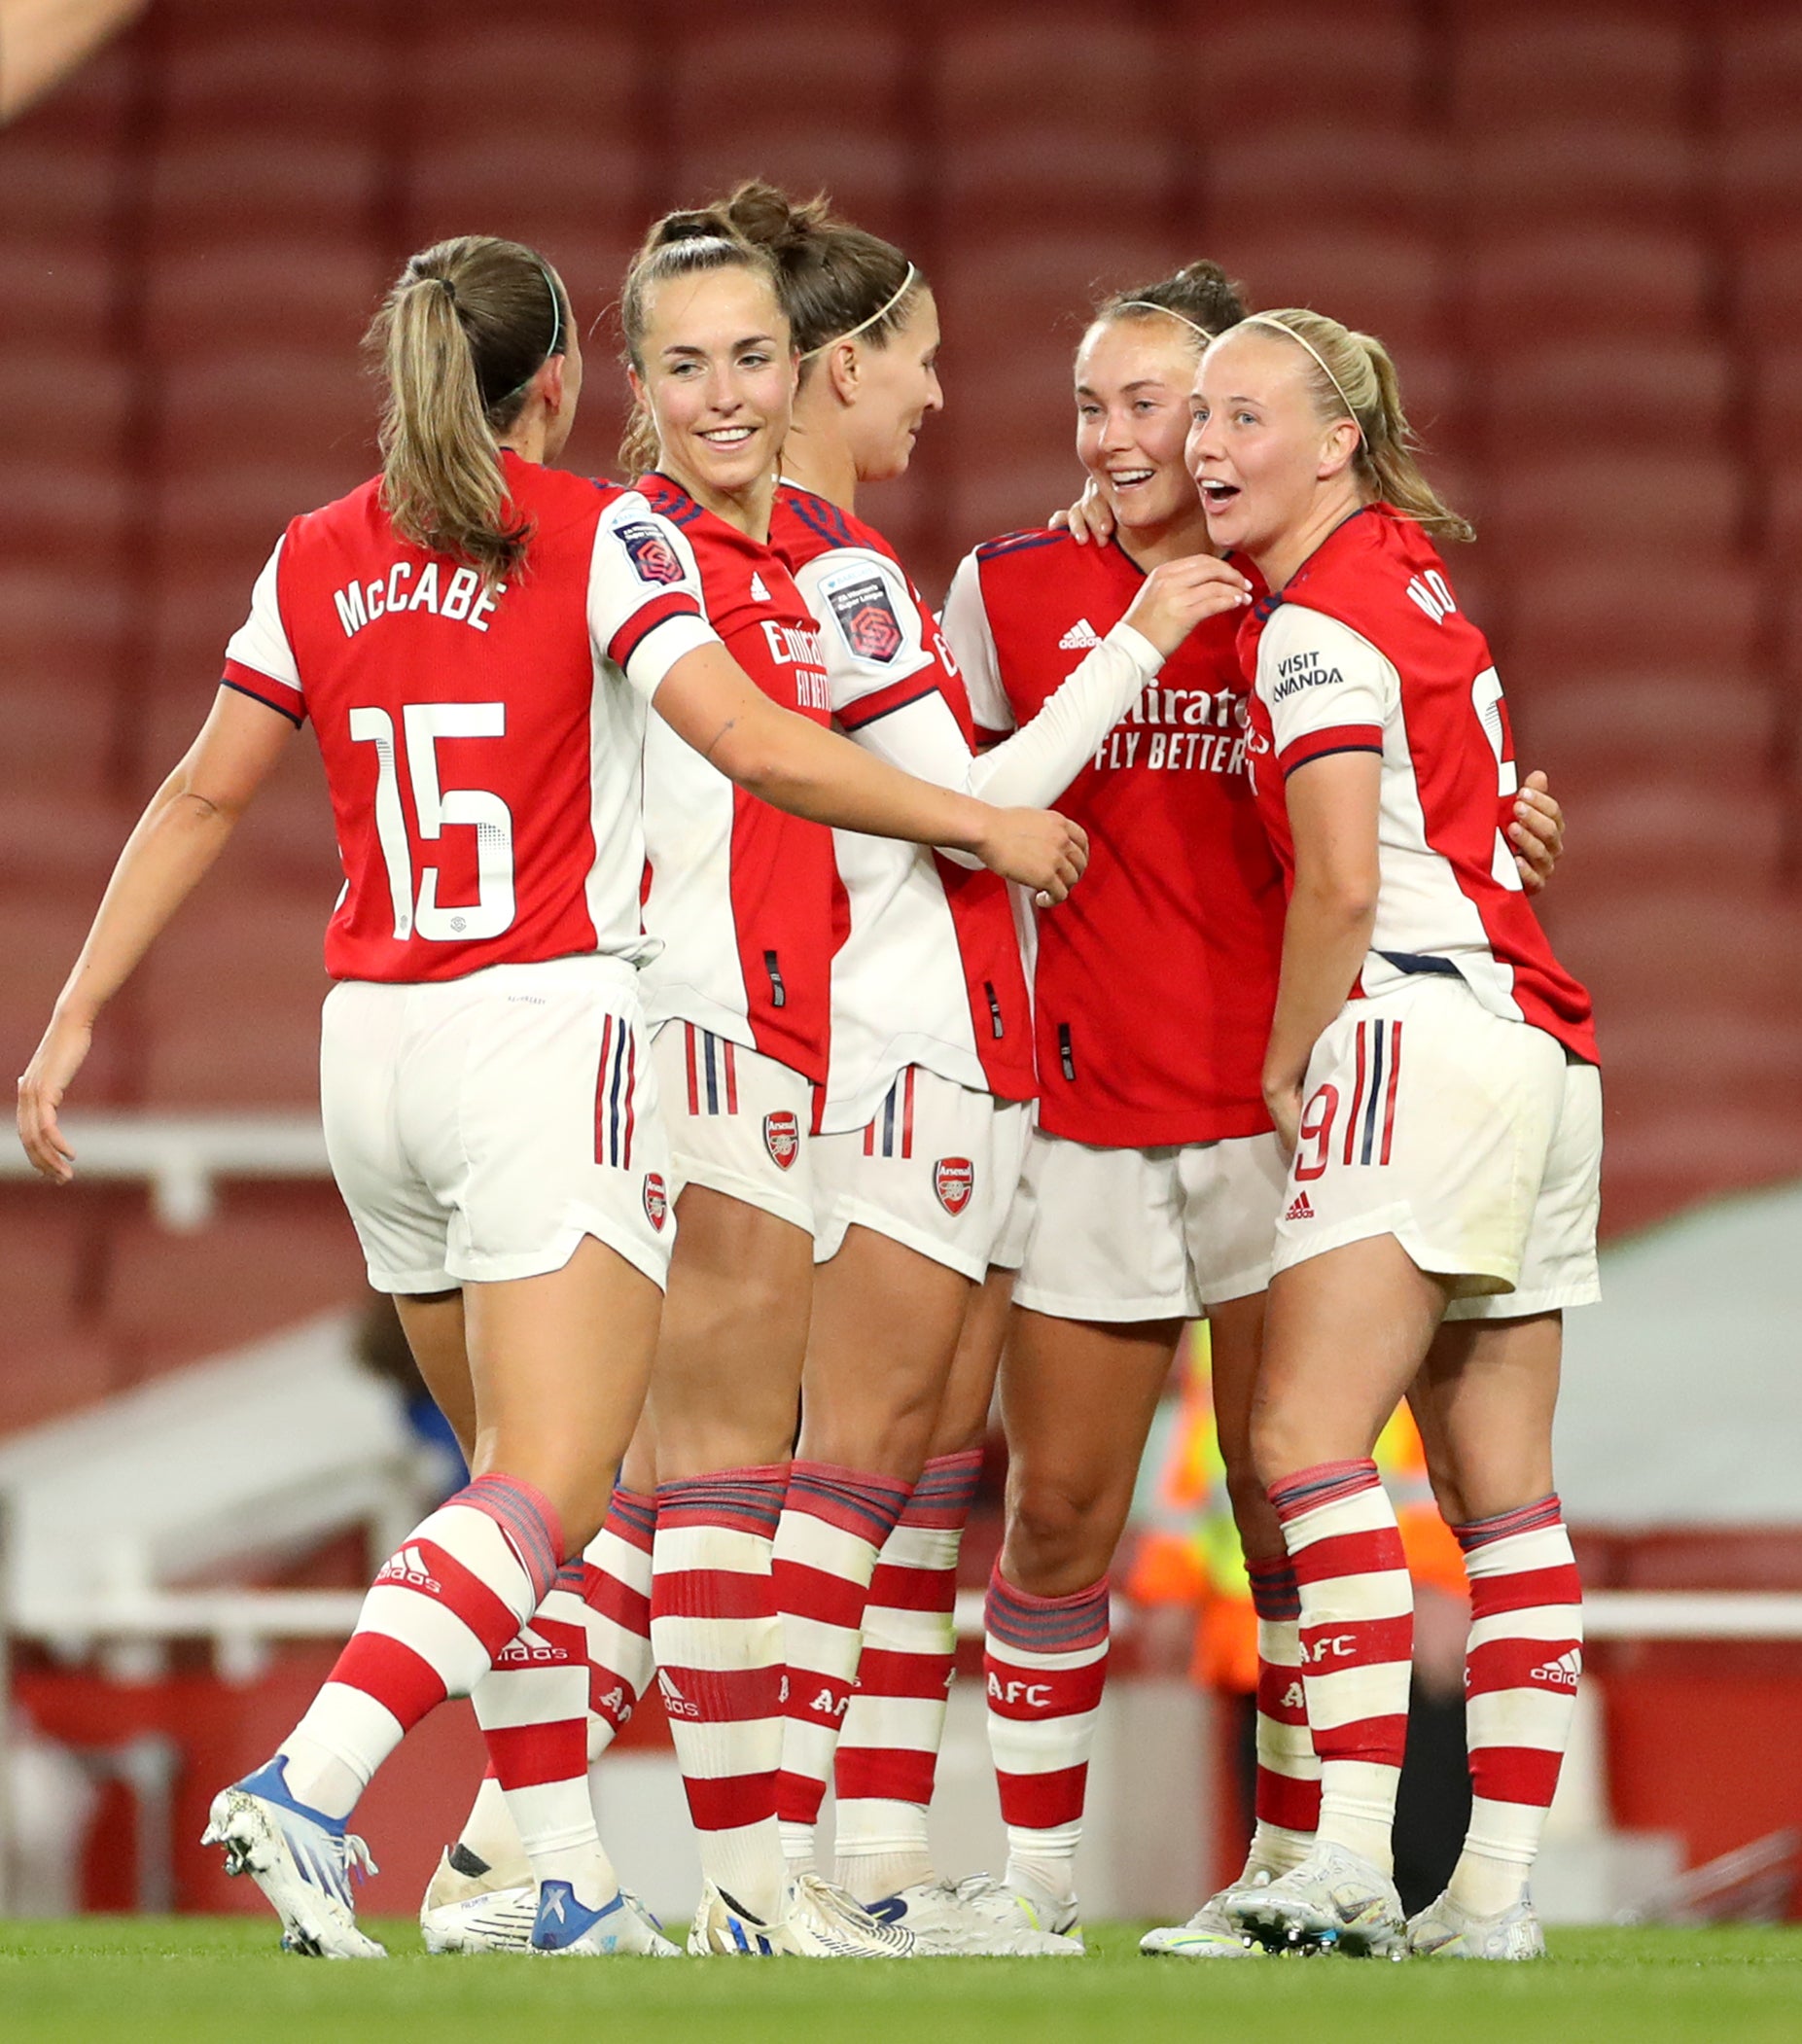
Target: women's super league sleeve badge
[
  {"x": 865, "y": 614},
  {"x": 651, "y": 553}
]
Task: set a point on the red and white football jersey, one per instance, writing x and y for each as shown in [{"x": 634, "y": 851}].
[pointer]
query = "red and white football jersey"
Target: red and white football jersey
[
  {"x": 483, "y": 747},
  {"x": 1367, "y": 651},
  {"x": 1154, "y": 982},
  {"x": 929, "y": 971},
  {"x": 740, "y": 895}
]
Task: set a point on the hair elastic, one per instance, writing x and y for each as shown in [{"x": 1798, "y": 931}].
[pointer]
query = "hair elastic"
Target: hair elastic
[
  {"x": 881, "y": 312},
  {"x": 1265, "y": 319},
  {"x": 1151, "y": 305}
]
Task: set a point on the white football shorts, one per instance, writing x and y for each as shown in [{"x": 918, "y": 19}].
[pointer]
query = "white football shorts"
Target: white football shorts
[
  {"x": 937, "y": 1170},
  {"x": 1476, "y": 1142},
  {"x": 1146, "y": 1234},
  {"x": 478, "y": 1128},
  {"x": 738, "y": 1121}
]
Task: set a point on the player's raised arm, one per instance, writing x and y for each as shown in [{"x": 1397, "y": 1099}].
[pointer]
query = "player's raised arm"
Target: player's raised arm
[{"x": 709, "y": 701}]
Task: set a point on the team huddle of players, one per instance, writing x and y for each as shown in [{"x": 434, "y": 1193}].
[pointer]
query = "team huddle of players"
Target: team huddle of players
[{"x": 696, "y": 1075}]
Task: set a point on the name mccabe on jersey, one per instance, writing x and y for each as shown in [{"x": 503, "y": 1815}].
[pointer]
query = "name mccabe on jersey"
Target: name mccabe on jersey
[
  {"x": 464, "y": 599},
  {"x": 1193, "y": 748}
]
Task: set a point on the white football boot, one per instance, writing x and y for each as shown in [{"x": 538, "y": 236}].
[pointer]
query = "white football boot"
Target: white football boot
[
  {"x": 975, "y": 1918},
  {"x": 463, "y": 1911},
  {"x": 1445, "y": 1929},
  {"x": 1333, "y": 1901},
  {"x": 1210, "y": 1933},
  {"x": 620, "y": 1928},
  {"x": 818, "y": 1921},
  {"x": 300, "y": 1860}
]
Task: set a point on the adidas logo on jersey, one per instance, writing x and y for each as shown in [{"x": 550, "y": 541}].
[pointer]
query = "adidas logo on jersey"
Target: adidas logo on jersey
[
  {"x": 408, "y": 1566},
  {"x": 759, "y": 592},
  {"x": 1079, "y": 636},
  {"x": 1560, "y": 1673},
  {"x": 1299, "y": 1209}
]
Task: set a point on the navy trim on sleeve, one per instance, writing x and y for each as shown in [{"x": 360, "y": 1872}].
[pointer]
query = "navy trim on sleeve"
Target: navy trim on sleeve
[{"x": 280, "y": 708}]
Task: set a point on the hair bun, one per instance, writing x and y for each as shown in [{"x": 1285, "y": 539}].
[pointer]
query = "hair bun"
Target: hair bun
[{"x": 766, "y": 215}]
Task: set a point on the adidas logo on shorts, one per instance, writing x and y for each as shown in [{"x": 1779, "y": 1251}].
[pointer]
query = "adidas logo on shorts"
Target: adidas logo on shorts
[
  {"x": 1560, "y": 1673},
  {"x": 1299, "y": 1209},
  {"x": 1079, "y": 636}
]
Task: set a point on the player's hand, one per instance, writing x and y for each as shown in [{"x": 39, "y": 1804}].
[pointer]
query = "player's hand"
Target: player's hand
[
  {"x": 54, "y": 1064},
  {"x": 1537, "y": 834},
  {"x": 1038, "y": 849},
  {"x": 1178, "y": 595},
  {"x": 1087, "y": 518}
]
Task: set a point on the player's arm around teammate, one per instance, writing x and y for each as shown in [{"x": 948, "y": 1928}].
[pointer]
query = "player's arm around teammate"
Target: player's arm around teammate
[{"x": 1434, "y": 1068}]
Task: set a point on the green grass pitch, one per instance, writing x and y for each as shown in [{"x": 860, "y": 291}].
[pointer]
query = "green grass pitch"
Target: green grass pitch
[{"x": 160, "y": 1980}]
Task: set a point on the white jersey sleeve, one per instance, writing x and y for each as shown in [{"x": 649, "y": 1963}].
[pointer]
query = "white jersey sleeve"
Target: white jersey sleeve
[
  {"x": 259, "y": 659},
  {"x": 1042, "y": 758},
  {"x": 1327, "y": 688},
  {"x": 871, "y": 630},
  {"x": 967, "y": 633},
  {"x": 644, "y": 607}
]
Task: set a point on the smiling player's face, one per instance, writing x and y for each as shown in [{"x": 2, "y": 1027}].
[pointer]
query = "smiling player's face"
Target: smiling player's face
[
  {"x": 719, "y": 377},
  {"x": 1133, "y": 382},
  {"x": 1258, "y": 447}
]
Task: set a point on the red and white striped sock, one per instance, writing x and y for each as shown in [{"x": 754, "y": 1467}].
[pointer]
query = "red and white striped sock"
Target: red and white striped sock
[
  {"x": 888, "y": 1751},
  {"x": 1288, "y": 1804},
  {"x": 533, "y": 1708},
  {"x": 1356, "y": 1644},
  {"x": 717, "y": 1640},
  {"x": 1521, "y": 1672},
  {"x": 616, "y": 1570},
  {"x": 1045, "y": 1661},
  {"x": 444, "y": 1605},
  {"x": 835, "y": 1522}
]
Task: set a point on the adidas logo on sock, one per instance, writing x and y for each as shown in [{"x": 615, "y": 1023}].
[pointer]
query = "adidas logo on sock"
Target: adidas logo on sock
[
  {"x": 1560, "y": 1673},
  {"x": 674, "y": 1701},
  {"x": 408, "y": 1566},
  {"x": 1079, "y": 636},
  {"x": 1299, "y": 1209}
]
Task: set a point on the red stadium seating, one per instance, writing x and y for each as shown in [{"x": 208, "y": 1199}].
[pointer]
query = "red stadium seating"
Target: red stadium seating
[
  {"x": 1587, "y": 282},
  {"x": 1622, "y": 393},
  {"x": 571, "y": 72},
  {"x": 1767, "y": 286},
  {"x": 1588, "y": 728},
  {"x": 292, "y": 1253},
  {"x": 297, "y": 292},
  {"x": 1577, "y": 172},
  {"x": 254, "y": 1040},
  {"x": 1754, "y": 184},
  {"x": 1759, "y": 65},
  {"x": 1063, "y": 67},
  {"x": 1624, "y": 62},
  {"x": 57, "y": 294},
  {"x": 307, "y": 407},
  {"x": 1382, "y": 281},
  {"x": 1579, "y": 613},
  {"x": 208, "y": 188},
  {"x": 1304, "y": 175},
  {"x": 1252, "y": 65},
  {"x": 1632, "y": 505},
  {"x": 41, "y": 932},
  {"x": 51, "y": 1356}
]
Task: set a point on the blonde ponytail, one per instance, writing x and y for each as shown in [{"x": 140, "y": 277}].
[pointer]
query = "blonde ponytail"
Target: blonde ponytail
[
  {"x": 1352, "y": 376},
  {"x": 460, "y": 337}
]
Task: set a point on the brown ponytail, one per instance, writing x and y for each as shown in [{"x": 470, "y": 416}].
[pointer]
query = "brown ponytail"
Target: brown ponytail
[
  {"x": 834, "y": 279},
  {"x": 1352, "y": 376},
  {"x": 1201, "y": 296},
  {"x": 679, "y": 245},
  {"x": 464, "y": 328}
]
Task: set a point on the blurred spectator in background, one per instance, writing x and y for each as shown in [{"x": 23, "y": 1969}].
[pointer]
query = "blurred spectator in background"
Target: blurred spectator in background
[
  {"x": 42, "y": 41},
  {"x": 1188, "y": 1554},
  {"x": 382, "y": 1350}
]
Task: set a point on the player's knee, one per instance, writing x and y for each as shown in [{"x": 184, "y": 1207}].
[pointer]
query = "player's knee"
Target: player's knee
[{"x": 1057, "y": 1531}]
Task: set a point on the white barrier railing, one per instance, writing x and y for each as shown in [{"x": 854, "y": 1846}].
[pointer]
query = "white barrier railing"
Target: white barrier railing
[{"x": 181, "y": 1157}]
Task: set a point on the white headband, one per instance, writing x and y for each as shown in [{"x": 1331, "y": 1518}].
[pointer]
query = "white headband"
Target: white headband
[
  {"x": 881, "y": 312},
  {"x": 1151, "y": 305},
  {"x": 1264, "y": 319}
]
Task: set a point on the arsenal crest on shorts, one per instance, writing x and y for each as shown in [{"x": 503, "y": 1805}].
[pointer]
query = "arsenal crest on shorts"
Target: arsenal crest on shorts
[
  {"x": 866, "y": 616},
  {"x": 656, "y": 1200},
  {"x": 651, "y": 554},
  {"x": 782, "y": 1137},
  {"x": 954, "y": 1180}
]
